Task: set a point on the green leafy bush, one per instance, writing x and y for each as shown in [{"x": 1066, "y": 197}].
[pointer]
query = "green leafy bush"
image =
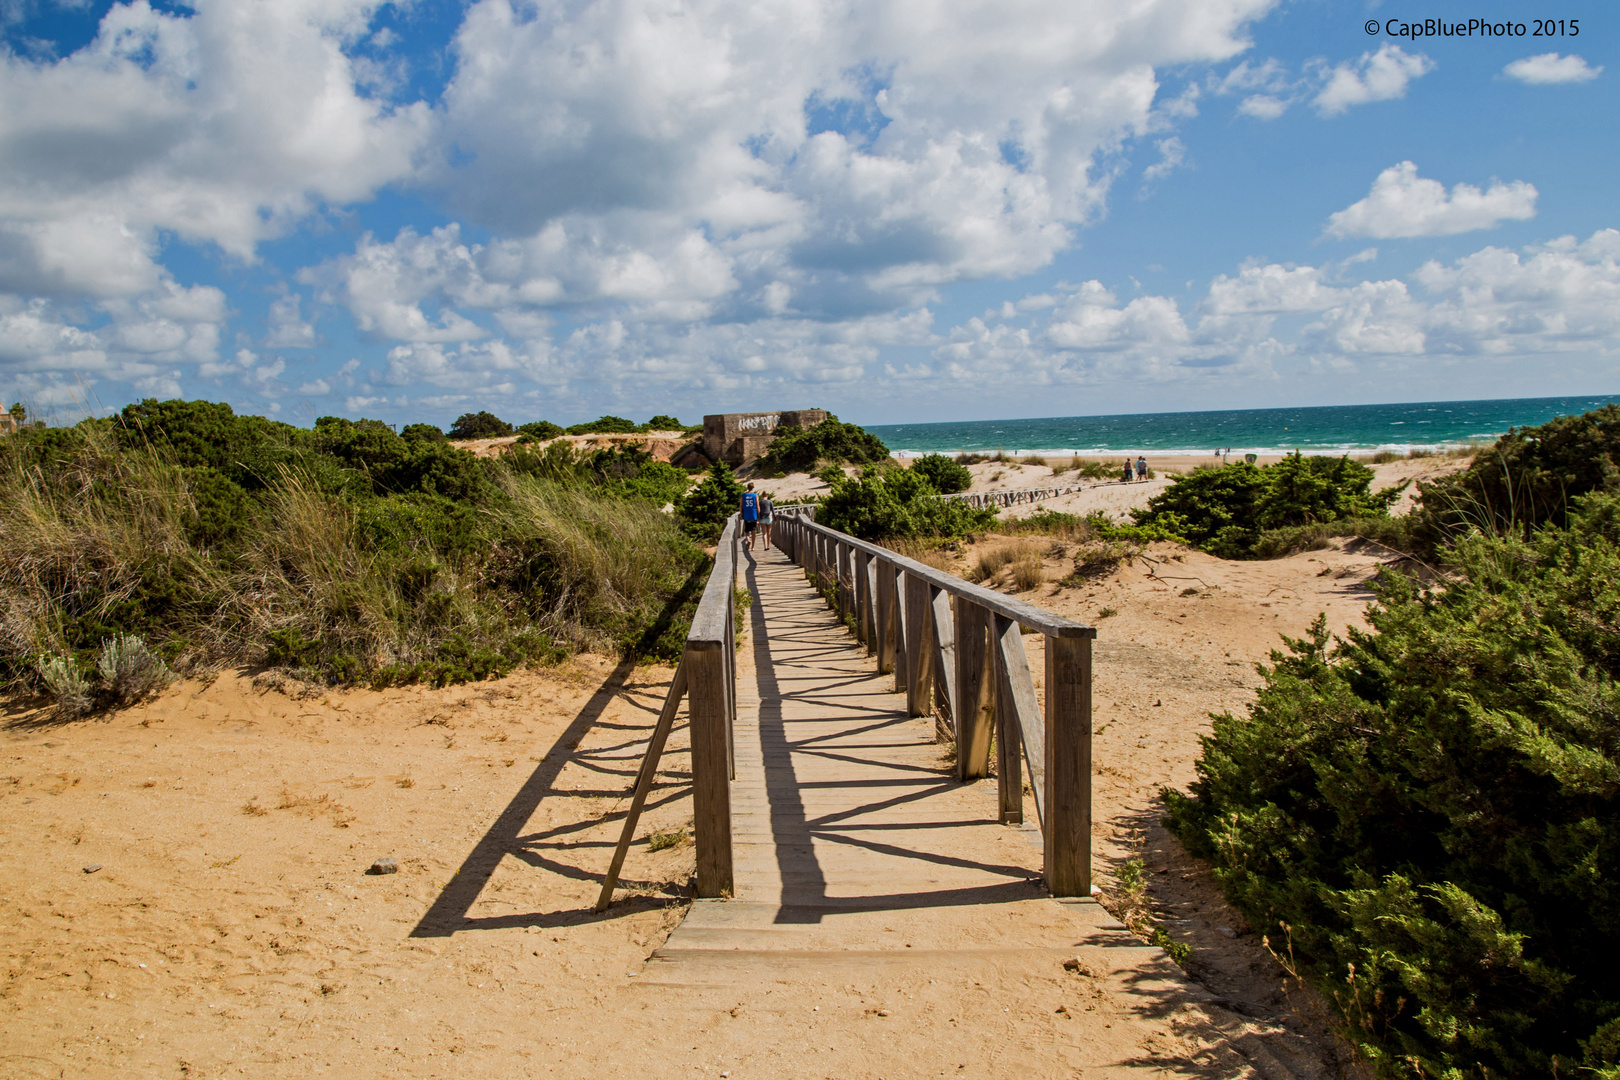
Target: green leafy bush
[
  {"x": 1225, "y": 510},
  {"x": 421, "y": 433},
  {"x": 606, "y": 425},
  {"x": 479, "y": 425},
  {"x": 946, "y": 476},
  {"x": 541, "y": 429},
  {"x": 831, "y": 440},
  {"x": 1529, "y": 477},
  {"x": 887, "y": 502},
  {"x": 1429, "y": 811},
  {"x": 705, "y": 508},
  {"x": 663, "y": 422}
]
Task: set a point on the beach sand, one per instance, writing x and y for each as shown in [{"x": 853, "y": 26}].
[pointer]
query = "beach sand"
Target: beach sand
[
  {"x": 1110, "y": 496},
  {"x": 230, "y": 927}
]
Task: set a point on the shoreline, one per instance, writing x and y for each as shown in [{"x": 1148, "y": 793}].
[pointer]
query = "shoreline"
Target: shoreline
[{"x": 1207, "y": 453}]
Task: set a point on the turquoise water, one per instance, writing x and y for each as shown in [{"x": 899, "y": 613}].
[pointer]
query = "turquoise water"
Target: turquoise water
[{"x": 1321, "y": 429}]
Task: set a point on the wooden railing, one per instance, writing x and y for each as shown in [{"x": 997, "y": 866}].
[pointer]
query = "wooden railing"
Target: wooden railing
[
  {"x": 1018, "y": 496},
  {"x": 1011, "y": 497},
  {"x": 957, "y": 650},
  {"x": 707, "y": 678}
]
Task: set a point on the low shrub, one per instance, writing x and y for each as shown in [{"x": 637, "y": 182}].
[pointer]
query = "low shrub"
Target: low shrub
[
  {"x": 1224, "y": 510},
  {"x": 421, "y": 433},
  {"x": 946, "y": 476},
  {"x": 540, "y": 430},
  {"x": 1428, "y": 811},
  {"x": 1531, "y": 476},
  {"x": 703, "y": 510},
  {"x": 605, "y": 425},
  {"x": 129, "y": 670},
  {"x": 887, "y": 501},
  {"x": 67, "y": 685},
  {"x": 829, "y": 441}
]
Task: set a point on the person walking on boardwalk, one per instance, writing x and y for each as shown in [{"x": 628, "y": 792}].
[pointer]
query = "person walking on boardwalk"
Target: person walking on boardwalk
[
  {"x": 767, "y": 511},
  {"x": 748, "y": 505},
  {"x": 1141, "y": 467},
  {"x": 1125, "y": 479}
]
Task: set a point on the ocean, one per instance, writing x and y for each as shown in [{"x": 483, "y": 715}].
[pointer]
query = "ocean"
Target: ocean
[{"x": 1326, "y": 429}]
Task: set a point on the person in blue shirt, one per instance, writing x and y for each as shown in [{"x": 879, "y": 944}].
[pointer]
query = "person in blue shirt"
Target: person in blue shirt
[{"x": 748, "y": 505}]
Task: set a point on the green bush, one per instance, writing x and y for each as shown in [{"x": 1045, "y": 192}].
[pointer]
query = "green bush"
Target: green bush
[
  {"x": 1429, "y": 811},
  {"x": 1224, "y": 510},
  {"x": 479, "y": 425},
  {"x": 1529, "y": 477},
  {"x": 540, "y": 429},
  {"x": 663, "y": 422},
  {"x": 421, "y": 433},
  {"x": 887, "y": 502},
  {"x": 704, "y": 509},
  {"x": 831, "y": 441},
  {"x": 946, "y": 476},
  {"x": 606, "y": 425}
]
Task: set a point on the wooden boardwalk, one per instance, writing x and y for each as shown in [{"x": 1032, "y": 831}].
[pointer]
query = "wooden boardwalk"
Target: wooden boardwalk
[{"x": 851, "y": 834}]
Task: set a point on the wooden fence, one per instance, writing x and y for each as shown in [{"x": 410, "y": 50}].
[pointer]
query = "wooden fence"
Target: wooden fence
[
  {"x": 1019, "y": 496},
  {"x": 957, "y": 650},
  {"x": 707, "y": 678}
]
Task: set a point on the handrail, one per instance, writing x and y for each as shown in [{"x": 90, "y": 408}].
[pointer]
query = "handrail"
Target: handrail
[
  {"x": 956, "y": 649},
  {"x": 707, "y": 678},
  {"x": 1025, "y": 614}
]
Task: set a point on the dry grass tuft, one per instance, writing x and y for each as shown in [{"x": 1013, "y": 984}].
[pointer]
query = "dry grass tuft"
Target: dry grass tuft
[
  {"x": 314, "y": 806},
  {"x": 1020, "y": 558},
  {"x": 922, "y": 551}
]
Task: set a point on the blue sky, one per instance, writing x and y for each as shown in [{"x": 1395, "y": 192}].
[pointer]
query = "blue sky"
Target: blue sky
[{"x": 903, "y": 211}]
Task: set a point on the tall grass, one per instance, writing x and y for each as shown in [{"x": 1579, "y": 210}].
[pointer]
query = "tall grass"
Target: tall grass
[{"x": 99, "y": 541}]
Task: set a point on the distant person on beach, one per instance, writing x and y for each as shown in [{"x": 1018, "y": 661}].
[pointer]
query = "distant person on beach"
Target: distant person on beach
[
  {"x": 1127, "y": 477},
  {"x": 1141, "y": 467},
  {"x": 767, "y": 510},
  {"x": 748, "y": 505}
]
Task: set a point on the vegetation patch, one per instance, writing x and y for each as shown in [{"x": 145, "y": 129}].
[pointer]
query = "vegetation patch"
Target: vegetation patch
[
  {"x": 1224, "y": 510},
  {"x": 946, "y": 476},
  {"x": 180, "y": 535},
  {"x": 829, "y": 442},
  {"x": 1430, "y": 810},
  {"x": 887, "y": 501}
]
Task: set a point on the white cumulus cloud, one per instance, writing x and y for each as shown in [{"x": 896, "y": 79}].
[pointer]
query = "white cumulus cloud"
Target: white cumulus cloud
[
  {"x": 1548, "y": 68},
  {"x": 1402, "y": 204},
  {"x": 1378, "y": 76}
]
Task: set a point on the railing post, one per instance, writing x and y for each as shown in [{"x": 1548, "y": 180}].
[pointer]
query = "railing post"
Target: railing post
[
  {"x": 1068, "y": 766},
  {"x": 942, "y": 647},
  {"x": 919, "y": 648},
  {"x": 902, "y": 629},
  {"x": 885, "y": 617},
  {"x": 974, "y": 682},
  {"x": 1009, "y": 740},
  {"x": 711, "y": 790},
  {"x": 915, "y": 607},
  {"x": 863, "y": 600}
]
